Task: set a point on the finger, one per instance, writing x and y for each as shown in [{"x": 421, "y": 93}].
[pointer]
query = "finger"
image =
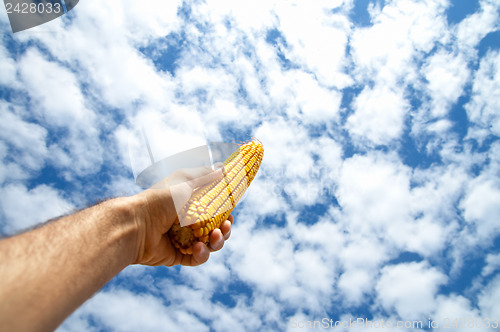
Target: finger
[
  {"x": 164, "y": 254},
  {"x": 200, "y": 255},
  {"x": 196, "y": 172},
  {"x": 226, "y": 229},
  {"x": 216, "y": 240},
  {"x": 192, "y": 174},
  {"x": 205, "y": 175},
  {"x": 218, "y": 165}
]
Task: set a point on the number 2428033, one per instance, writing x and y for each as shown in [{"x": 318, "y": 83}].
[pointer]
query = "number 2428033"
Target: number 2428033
[{"x": 33, "y": 8}]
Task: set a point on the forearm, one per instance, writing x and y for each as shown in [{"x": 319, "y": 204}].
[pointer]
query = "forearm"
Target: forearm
[{"x": 47, "y": 273}]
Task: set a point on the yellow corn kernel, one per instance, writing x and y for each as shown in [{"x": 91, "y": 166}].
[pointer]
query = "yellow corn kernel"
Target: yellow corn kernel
[{"x": 214, "y": 202}]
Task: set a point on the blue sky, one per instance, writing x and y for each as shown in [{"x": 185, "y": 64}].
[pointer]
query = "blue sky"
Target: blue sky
[{"x": 379, "y": 194}]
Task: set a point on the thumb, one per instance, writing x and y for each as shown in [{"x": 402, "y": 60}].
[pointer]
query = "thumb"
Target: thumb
[
  {"x": 207, "y": 175},
  {"x": 195, "y": 178}
]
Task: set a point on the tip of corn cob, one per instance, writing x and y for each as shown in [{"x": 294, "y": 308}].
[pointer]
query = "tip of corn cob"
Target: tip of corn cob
[{"x": 211, "y": 204}]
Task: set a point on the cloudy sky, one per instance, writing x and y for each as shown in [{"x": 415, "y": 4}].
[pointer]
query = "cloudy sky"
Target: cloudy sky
[{"x": 379, "y": 194}]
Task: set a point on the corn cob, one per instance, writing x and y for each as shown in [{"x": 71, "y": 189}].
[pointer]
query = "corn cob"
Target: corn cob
[{"x": 211, "y": 204}]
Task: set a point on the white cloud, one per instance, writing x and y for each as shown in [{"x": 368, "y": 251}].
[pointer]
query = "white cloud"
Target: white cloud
[
  {"x": 267, "y": 260},
  {"x": 359, "y": 270},
  {"x": 27, "y": 140},
  {"x": 4, "y": 20},
  {"x": 209, "y": 276},
  {"x": 123, "y": 310},
  {"x": 100, "y": 44},
  {"x": 481, "y": 207},
  {"x": 325, "y": 236},
  {"x": 376, "y": 202},
  {"x": 120, "y": 185},
  {"x": 55, "y": 90},
  {"x": 188, "y": 298},
  {"x": 263, "y": 251},
  {"x": 246, "y": 314},
  {"x": 267, "y": 196},
  {"x": 321, "y": 53},
  {"x": 385, "y": 52},
  {"x": 492, "y": 264},
  {"x": 302, "y": 96},
  {"x": 212, "y": 82},
  {"x": 435, "y": 195},
  {"x": 489, "y": 299},
  {"x": 318, "y": 42},
  {"x": 379, "y": 115},
  {"x": 58, "y": 103},
  {"x": 10, "y": 170},
  {"x": 313, "y": 274},
  {"x": 424, "y": 236},
  {"x": 355, "y": 286},
  {"x": 482, "y": 109},
  {"x": 317, "y": 103},
  {"x": 8, "y": 68},
  {"x": 252, "y": 75},
  {"x": 455, "y": 309},
  {"x": 446, "y": 75},
  {"x": 240, "y": 318},
  {"x": 473, "y": 28},
  {"x": 23, "y": 207},
  {"x": 288, "y": 158},
  {"x": 409, "y": 289},
  {"x": 373, "y": 192},
  {"x": 247, "y": 16}
]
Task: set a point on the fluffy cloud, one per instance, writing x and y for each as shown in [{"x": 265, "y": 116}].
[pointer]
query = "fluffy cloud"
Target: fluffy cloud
[
  {"x": 386, "y": 51},
  {"x": 100, "y": 49},
  {"x": 482, "y": 109},
  {"x": 374, "y": 193},
  {"x": 26, "y": 140},
  {"x": 409, "y": 289},
  {"x": 7, "y": 68},
  {"x": 318, "y": 42},
  {"x": 306, "y": 99},
  {"x": 297, "y": 278},
  {"x": 446, "y": 75},
  {"x": 144, "y": 312},
  {"x": 474, "y": 27},
  {"x": 57, "y": 102},
  {"x": 493, "y": 264},
  {"x": 60, "y": 102},
  {"x": 23, "y": 207},
  {"x": 481, "y": 207},
  {"x": 449, "y": 308},
  {"x": 489, "y": 299},
  {"x": 379, "y": 115}
]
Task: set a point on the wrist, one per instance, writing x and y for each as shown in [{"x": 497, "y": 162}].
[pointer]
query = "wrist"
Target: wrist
[
  {"x": 126, "y": 217},
  {"x": 154, "y": 214}
]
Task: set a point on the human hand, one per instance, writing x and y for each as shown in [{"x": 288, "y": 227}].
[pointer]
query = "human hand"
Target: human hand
[{"x": 157, "y": 212}]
